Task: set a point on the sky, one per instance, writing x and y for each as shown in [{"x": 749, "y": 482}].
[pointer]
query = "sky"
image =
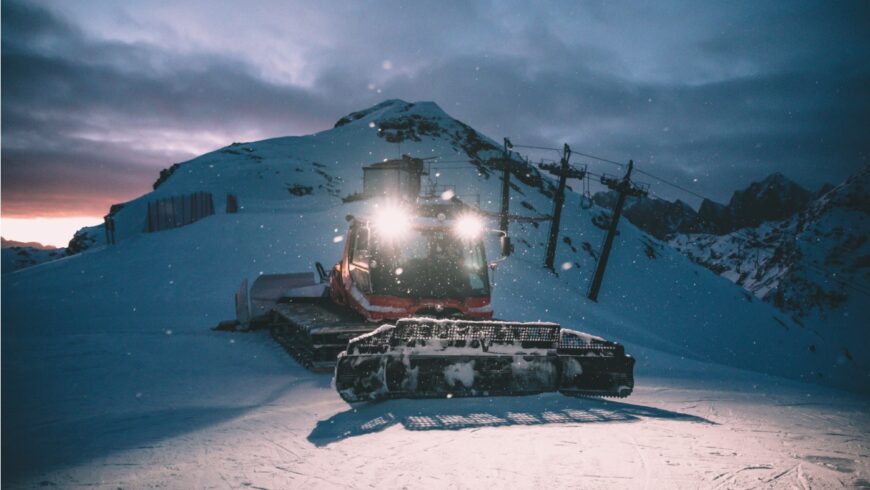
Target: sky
[{"x": 98, "y": 96}]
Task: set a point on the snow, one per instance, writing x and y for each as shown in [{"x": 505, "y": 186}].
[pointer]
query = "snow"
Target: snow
[
  {"x": 460, "y": 372},
  {"x": 449, "y": 321},
  {"x": 97, "y": 393},
  {"x": 381, "y": 330},
  {"x": 20, "y": 257},
  {"x": 812, "y": 265},
  {"x": 364, "y": 302},
  {"x": 588, "y": 339}
]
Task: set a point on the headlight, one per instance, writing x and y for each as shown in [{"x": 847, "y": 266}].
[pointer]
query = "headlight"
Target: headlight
[
  {"x": 392, "y": 222},
  {"x": 468, "y": 227}
]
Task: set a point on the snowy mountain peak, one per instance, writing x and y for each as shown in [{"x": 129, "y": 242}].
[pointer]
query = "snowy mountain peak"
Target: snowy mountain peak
[
  {"x": 20, "y": 255},
  {"x": 14, "y": 243},
  {"x": 325, "y": 166},
  {"x": 809, "y": 263},
  {"x": 777, "y": 178},
  {"x": 395, "y": 108},
  {"x": 851, "y": 194},
  {"x": 773, "y": 198},
  {"x": 776, "y": 189}
]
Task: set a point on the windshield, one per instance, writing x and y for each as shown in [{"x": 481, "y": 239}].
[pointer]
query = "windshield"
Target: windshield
[{"x": 429, "y": 263}]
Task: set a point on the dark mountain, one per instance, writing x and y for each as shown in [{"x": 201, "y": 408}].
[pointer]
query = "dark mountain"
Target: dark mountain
[
  {"x": 660, "y": 218},
  {"x": 715, "y": 216},
  {"x": 18, "y": 255},
  {"x": 811, "y": 262},
  {"x": 824, "y": 189},
  {"x": 774, "y": 198},
  {"x": 13, "y": 243}
]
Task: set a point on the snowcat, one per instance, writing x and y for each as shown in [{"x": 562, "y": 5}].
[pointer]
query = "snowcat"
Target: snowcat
[{"x": 406, "y": 313}]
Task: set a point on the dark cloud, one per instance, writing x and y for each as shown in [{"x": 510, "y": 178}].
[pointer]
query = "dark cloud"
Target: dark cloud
[
  {"x": 96, "y": 99},
  {"x": 85, "y": 128},
  {"x": 725, "y": 133}
]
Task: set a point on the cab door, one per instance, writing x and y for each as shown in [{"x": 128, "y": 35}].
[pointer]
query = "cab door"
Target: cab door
[{"x": 360, "y": 259}]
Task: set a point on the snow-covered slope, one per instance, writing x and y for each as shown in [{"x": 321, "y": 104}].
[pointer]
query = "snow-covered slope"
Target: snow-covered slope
[
  {"x": 294, "y": 171},
  {"x": 17, "y": 255},
  {"x": 652, "y": 295},
  {"x": 108, "y": 356},
  {"x": 814, "y": 265}
]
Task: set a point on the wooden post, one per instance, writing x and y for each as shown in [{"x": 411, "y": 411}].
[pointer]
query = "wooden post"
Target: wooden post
[
  {"x": 558, "y": 201},
  {"x": 625, "y": 188},
  {"x": 505, "y": 197},
  {"x": 565, "y": 171}
]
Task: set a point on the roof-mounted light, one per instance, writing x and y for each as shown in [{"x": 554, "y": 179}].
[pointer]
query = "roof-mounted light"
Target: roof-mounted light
[
  {"x": 468, "y": 227},
  {"x": 392, "y": 222}
]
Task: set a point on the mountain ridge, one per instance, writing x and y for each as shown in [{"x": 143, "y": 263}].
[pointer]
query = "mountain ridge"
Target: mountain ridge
[
  {"x": 773, "y": 198},
  {"x": 653, "y": 299}
]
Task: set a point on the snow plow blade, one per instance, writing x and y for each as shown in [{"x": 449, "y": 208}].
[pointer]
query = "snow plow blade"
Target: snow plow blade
[
  {"x": 268, "y": 290},
  {"x": 436, "y": 358}
]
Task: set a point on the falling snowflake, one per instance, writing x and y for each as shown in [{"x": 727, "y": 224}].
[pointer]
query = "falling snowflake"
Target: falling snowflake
[
  {"x": 337, "y": 238},
  {"x": 566, "y": 265}
]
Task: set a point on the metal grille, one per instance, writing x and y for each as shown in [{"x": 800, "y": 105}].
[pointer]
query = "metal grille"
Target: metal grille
[
  {"x": 408, "y": 329},
  {"x": 374, "y": 339},
  {"x": 571, "y": 343}
]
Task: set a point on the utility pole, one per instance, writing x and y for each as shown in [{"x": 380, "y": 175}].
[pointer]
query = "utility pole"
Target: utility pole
[
  {"x": 564, "y": 171},
  {"x": 505, "y": 198},
  {"x": 625, "y": 187}
]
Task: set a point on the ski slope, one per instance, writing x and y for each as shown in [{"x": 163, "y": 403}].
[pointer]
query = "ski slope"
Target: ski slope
[{"x": 113, "y": 378}]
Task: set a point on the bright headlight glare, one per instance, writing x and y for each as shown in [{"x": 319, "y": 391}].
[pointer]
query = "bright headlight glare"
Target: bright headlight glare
[
  {"x": 468, "y": 227},
  {"x": 392, "y": 222}
]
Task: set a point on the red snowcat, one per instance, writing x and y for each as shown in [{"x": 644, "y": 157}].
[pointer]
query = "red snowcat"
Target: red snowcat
[{"x": 406, "y": 313}]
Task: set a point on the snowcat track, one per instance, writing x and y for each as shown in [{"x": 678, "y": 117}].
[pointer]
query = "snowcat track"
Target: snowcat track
[
  {"x": 314, "y": 331},
  {"x": 428, "y": 358}
]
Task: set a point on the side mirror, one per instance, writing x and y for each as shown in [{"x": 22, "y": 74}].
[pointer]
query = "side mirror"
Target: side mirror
[
  {"x": 505, "y": 246},
  {"x": 324, "y": 276},
  {"x": 363, "y": 258}
]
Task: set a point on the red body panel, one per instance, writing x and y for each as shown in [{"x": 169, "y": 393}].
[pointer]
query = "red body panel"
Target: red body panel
[{"x": 375, "y": 308}]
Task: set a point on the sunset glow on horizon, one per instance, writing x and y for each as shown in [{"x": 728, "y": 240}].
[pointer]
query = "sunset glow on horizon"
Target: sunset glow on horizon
[
  {"x": 145, "y": 87},
  {"x": 47, "y": 231}
]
